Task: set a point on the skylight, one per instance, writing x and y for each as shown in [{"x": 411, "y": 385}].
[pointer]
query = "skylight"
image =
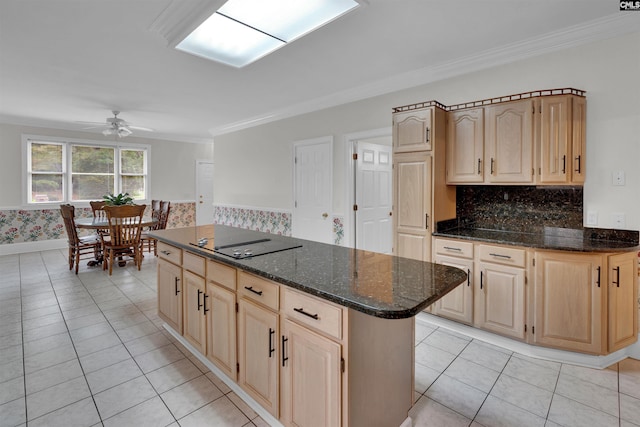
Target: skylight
[{"x": 243, "y": 31}]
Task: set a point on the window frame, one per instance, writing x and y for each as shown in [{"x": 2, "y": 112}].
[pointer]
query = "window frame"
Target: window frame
[{"x": 67, "y": 144}]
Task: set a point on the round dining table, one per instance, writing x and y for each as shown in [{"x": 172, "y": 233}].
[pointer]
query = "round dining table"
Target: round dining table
[{"x": 103, "y": 224}]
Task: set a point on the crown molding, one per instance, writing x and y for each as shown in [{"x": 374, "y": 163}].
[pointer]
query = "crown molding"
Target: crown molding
[
  {"x": 600, "y": 29},
  {"x": 181, "y": 17}
]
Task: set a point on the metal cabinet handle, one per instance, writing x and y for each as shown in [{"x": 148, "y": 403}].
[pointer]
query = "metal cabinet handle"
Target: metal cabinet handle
[
  {"x": 492, "y": 162},
  {"x": 427, "y": 136},
  {"x": 176, "y": 285},
  {"x": 165, "y": 252},
  {"x": 501, "y": 256},
  {"x": 271, "y": 349},
  {"x": 284, "y": 357},
  {"x": 479, "y": 163},
  {"x": 205, "y": 303},
  {"x": 199, "y": 303},
  {"x": 598, "y": 280},
  {"x": 564, "y": 164},
  {"x": 449, "y": 248},
  {"x": 301, "y": 311},
  {"x": 481, "y": 277},
  {"x": 617, "y": 281},
  {"x": 468, "y": 277},
  {"x": 579, "y": 159},
  {"x": 250, "y": 288}
]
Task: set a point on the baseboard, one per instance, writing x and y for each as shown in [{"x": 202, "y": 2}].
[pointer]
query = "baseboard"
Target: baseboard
[
  {"x": 570, "y": 357},
  {"x": 23, "y": 247}
]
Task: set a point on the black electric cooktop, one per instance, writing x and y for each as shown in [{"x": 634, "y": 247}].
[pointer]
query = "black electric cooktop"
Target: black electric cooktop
[{"x": 248, "y": 249}]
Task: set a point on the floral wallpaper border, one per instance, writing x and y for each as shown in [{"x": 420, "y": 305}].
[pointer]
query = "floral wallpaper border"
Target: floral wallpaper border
[
  {"x": 21, "y": 225},
  {"x": 267, "y": 220}
]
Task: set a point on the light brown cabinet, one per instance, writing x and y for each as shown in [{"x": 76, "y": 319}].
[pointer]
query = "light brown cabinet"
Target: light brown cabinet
[
  {"x": 562, "y": 128},
  {"x": 538, "y": 140},
  {"x": 311, "y": 373},
  {"x": 509, "y": 143},
  {"x": 465, "y": 146},
  {"x": 458, "y": 304},
  {"x": 569, "y": 301},
  {"x": 499, "y": 298},
  {"x": 170, "y": 289},
  {"x": 412, "y": 205},
  {"x": 195, "y": 310},
  {"x": 622, "y": 296},
  {"x": 221, "y": 319},
  {"x": 412, "y": 130}
]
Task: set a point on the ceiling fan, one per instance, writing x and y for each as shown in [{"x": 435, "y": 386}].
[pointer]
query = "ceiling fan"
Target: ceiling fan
[{"x": 116, "y": 126}]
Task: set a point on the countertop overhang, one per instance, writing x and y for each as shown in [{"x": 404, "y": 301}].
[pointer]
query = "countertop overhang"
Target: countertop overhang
[{"x": 376, "y": 284}]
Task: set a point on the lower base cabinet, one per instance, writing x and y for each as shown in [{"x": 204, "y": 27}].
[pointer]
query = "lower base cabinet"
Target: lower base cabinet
[
  {"x": 308, "y": 362},
  {"x": 257, "y": 354},
  {"x": 310, "y": 378}
]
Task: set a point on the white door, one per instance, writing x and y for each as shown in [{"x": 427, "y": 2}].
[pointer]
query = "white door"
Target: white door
[
  {"x": 313, "y": 185},
  {"x": 374, "y": 226},
  {"x": 204, "y": 192}
]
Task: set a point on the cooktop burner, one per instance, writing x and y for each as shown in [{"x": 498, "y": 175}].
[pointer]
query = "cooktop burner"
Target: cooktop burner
[{"x": 248, "y": 249}]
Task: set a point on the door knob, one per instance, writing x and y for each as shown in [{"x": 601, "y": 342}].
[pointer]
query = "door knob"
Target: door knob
[{"x": 324, "y": 215}]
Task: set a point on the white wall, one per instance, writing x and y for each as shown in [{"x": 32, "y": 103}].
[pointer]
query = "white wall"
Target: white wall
[
  {"x": 254, "y": 166},
  {"x": 172, "y": 164}
]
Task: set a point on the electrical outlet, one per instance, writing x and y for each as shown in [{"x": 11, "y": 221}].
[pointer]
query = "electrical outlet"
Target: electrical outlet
[
  {"x": 618, "y": 178},
  {"x": 592, "y": 218},
  {"x": 618, "y": 220}
]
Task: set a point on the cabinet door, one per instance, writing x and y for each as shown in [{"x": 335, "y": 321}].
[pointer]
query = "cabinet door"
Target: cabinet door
[
  {"x": 412, "y": 131},
  {"x": 311, "y": 386},
  {"x": 509, "y": 142},
  {"x": 499, "y": 299},
  {"x": 221, "y": 329},
  {"x": 195, "y": 321},
  {"x": 465, "y": 146},
  {"x": 555, "y": 161},
  {"x": 579, "y": 140},
  {"x": 568, "y": 301},
  {"x": 170, "y": 294},
  {"x": 412, "y": 205},
  {"x": 258, "y": 354},
  {"x": 623, "y": 297},
  {"x": 457, "y": 304}
]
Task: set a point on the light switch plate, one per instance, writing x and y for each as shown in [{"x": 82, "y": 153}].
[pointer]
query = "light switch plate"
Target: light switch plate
[
  {"x": 592, "y": 218},
  {"x": 618, "y": 178}
]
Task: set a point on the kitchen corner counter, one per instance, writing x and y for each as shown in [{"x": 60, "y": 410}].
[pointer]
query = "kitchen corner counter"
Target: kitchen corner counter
[
  {"x": 584, "y": 240},
  {"x": 379, "y": 285}
]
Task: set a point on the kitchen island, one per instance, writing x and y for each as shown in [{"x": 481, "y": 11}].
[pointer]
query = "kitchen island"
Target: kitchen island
[{"x": 309, "y": 334}]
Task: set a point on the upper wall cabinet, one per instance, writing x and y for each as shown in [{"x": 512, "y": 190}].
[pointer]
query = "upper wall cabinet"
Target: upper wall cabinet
[
  {"x": 412, "y": 130},
  {"x": 509, "y": 143},
  {"x": 540, "y": 140},
  {"x": 562, "y": 139},
  {"x": 465, "y": 146}
]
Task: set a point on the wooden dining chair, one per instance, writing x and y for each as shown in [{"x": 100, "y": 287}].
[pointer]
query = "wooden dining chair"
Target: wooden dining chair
[
  {"x": 97, "y": 207},
  {"x": 161, "y": 214},
  {"x": 125, "y": 229},
  {"x": 78, "y": 246}
]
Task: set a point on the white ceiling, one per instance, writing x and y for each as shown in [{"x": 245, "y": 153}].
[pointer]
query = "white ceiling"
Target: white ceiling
[{"x": 64, "y": 61}]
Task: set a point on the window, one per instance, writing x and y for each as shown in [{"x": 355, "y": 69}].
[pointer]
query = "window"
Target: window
[{"x": 77, "y": 171}]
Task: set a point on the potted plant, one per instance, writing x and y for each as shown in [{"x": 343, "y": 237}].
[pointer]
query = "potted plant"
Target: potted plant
[{"x": 118, "y": 200}]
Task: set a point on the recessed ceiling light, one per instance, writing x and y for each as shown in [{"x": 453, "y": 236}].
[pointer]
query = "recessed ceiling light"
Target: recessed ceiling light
[{"x": 243, "y": 31}]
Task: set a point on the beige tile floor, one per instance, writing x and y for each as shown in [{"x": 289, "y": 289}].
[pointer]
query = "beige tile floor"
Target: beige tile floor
[{"x": 89, "y": 350}]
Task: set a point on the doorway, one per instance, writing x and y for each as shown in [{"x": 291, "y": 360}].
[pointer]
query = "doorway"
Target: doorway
[
  {"x": 313, "y": 189},
  {"x": 204, "y": 192},
  {"x": 369, "y": 226}
]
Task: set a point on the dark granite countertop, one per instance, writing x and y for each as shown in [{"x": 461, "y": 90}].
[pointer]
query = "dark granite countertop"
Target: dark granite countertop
[
  {"x": 376, "y": 284},
  {"x": 583, "y": 240}
]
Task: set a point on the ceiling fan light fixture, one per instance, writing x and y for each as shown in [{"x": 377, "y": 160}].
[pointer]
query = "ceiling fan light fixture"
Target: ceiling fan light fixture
[
  {"x": 123, "y": 131},
  {"x": 107, "y": 132}
]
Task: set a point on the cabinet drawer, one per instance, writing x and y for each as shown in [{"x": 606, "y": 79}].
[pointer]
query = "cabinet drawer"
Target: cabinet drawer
[
  {"x": 312, "y": 312},
  {"x": 258, "y": 289},
  {"x": 170, "y": 253},
  {"x": 193, "y": 263},
  {"x": 454, "y": 248},
  {"x": 221, "y": 274},
  {"x": 501, "y": 255}
]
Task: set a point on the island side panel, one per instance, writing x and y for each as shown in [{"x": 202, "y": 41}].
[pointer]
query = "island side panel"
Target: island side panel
[{"x": 380, "y": 370}]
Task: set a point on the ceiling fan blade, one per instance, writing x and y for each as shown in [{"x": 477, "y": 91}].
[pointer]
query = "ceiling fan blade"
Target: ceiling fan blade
[
  {"x": 140, "y": 128},
  {"x": 93, "y": 123}
]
